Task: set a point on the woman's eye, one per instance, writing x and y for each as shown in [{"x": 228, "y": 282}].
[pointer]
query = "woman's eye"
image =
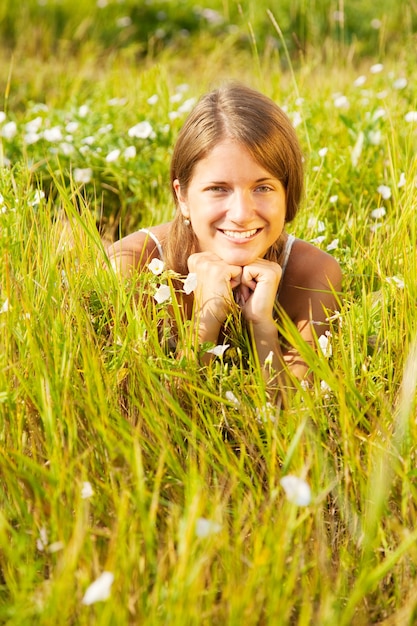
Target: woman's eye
[
  {"x": 263, "y": 188},
  {"x": 216, "y": 189}
]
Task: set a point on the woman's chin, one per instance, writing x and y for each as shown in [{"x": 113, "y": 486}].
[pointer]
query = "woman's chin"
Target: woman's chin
[{"x": 238, "y": 259}]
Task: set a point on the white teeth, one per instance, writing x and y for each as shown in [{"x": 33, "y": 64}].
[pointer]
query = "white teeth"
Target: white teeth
[{"x": 235, "y": 234}]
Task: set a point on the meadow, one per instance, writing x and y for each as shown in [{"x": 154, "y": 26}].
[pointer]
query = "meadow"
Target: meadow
[{"x": 168, "y": 482}]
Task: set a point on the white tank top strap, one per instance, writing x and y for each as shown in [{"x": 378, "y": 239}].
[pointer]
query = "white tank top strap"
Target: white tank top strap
[
  {"x": 155, "y": 240},
  {"x": 287, "y": 251}
]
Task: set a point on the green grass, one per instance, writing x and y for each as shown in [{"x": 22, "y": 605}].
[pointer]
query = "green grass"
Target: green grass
[{"x": 88, "y": 394}]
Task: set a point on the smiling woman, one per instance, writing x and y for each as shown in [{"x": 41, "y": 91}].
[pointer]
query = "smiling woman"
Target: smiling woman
[{"x": 237, "y": 179}]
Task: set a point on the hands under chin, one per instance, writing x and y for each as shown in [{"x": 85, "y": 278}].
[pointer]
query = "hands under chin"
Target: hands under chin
[
  {"x": 254, "y": 287},
  {"x": 257, "y": 290}
]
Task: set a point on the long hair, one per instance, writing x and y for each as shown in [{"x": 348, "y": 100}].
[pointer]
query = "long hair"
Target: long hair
[{"x": 256, "y": 122}]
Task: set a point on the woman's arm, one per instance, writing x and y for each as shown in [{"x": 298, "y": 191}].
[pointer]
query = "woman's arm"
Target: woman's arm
[
  {"x": 136, "y": 250},
  {"x": 309, "y": 294}
]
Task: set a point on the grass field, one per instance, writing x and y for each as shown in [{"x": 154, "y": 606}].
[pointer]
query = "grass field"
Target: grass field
[{"x": 115, "y": 456}]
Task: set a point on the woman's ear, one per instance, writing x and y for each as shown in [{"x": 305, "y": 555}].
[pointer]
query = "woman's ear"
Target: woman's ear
[{"x": 181, "y": 198}]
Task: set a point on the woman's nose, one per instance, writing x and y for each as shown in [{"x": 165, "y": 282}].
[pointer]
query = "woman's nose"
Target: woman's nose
[{"x": 240, "y": 207}]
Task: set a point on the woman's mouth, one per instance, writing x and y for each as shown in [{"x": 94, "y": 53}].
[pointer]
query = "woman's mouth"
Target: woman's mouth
[{"x": 240, "y": 234}]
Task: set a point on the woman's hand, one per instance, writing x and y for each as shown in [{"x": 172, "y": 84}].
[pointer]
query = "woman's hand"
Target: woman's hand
[
  {"x": 213, "y": 295},
  {"x": 257, "y": 291}
]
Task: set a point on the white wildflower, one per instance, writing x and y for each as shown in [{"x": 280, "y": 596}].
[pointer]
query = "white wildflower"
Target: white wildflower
[
  {"x": 357, "y": 149},
  {"x": 296, "y": 119},
  {"x": 219, "y": 351},
  {"x": 103, "y": 130},
  {"x": 376, "y": 23},
  {"x": 53, "y": 134},
  {"x": 269, "y": 359},
  {"x": 190, "y": 283},
  {"x": 86, "y": 490},
  {"x": 325, "y": 389},
  {"x": 162, "y": 294},
  {"x": 395, "y": 280},
  {"x": 212, "y": 16},
  {"x": 402, "y": 181},
  {"x": 359, "y": 81},
  {"x": 385, "y": 191},
  {"x": 2, "y": 117},
  {"x": 374, "y": 227},
  {"x": 31, "y": 138},
  {"x": 38, "y": 196},
  {"x": 113, "y": 155},
  {"x": 375, "y": 137},
  {"x": 318, "y": 240},
  {"x": 176, "y": 97},
  {"x": 411, "y": 116},
  {"x": 34, "y": 125},
  {"x": 82, "y": 175},
  {"x": 117, "y": 102},
  {"x": 232, "y": 398},
  {"x": 333, "y": 245},
  {"x": 124, "y": 22},
  {"x": 9, "y": 130},
  {"x": 5, "y": 306},
  {"x": 42, "y": 541},
  {"x": 187, "y": 105},
  {"x": 337, "y": 316},
  {"x": 296, "y": 489},
  {"x": 56, "y": 546},
  {"x": 88, "y": 141},
  {"x": 71, "y": 127},
  {"x": 341, "y": 102},
  {"x": 400, "y": 83},
  {"x": 153, "y": 99},
  {"x": 267, "y": 413},
  {"x": 206, "y": 527},
  {"x": 376, "y": 68},
  {"x": 326, "y": 344},
  {"x": 129, "y": 152},
  {"x": 333, "y": 199},
  {"x": 378, "y": 114},
  {"x": 378, "y": 213},
  {"x": 143, "y": 130},
  {"x": 99, "y": 590},
  {"x": 66, "y": 148},
  {"x": 156, "y": 266},
  {"x": 323, "y": 152},
  {"x": 84, "y": 110}
]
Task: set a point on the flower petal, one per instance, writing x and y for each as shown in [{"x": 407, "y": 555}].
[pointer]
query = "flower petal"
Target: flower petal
[
  {"x": 100, "y": 589},
  {"x": 206, "y": 527},
  {"x": 296, "y": 489},
  {"x": 156, "y": 266},
  {"x": 190, "y": 283},
  {"x": 219, "y": 350},
  {"x": 162, "y": 294}
]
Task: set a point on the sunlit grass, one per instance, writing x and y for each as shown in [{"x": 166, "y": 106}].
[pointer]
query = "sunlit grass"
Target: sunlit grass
[{"x": 187, "y": 509}]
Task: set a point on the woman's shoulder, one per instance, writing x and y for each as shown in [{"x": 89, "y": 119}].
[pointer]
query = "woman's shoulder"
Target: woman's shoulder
[
  {"x": 136, "y": 249},
  {"x": 311, "y": 274},
  {"x": 309, "y": 266}
]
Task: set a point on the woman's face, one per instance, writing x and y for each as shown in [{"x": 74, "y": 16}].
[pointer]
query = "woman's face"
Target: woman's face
[{"x": 235, "y": 206}]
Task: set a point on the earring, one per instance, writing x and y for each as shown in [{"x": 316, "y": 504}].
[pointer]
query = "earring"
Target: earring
[{"x": 187, "y": 222}]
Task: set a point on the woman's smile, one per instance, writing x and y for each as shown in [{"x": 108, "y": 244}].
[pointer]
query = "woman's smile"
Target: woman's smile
[{"x": 240, "y": 235}]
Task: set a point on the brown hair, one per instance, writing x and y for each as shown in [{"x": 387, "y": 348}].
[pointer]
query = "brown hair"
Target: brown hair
[{"x": 255, "y": 121}]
